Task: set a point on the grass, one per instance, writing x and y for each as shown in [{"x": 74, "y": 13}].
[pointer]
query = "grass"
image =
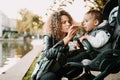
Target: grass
[{"x": 30, "y": 70}]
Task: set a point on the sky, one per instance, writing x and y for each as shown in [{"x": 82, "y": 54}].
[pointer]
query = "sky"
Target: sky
[{"x": 11, "y": 8}]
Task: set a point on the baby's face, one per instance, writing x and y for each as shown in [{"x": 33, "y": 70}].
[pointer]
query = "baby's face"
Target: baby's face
[{"x": 89, "y": 22}]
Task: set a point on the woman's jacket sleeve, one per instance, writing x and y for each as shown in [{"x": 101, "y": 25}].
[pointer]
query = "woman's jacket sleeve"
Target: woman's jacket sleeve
[{"x": 52, "y": 49}]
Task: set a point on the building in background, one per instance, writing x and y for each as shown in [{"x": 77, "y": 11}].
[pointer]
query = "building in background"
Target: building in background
[{"x": 6, "y": 24}]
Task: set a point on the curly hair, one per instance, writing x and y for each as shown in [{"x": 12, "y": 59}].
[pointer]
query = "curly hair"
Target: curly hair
[
  {"x": 97, "y": 14},
  {"x": 53, "y": 25}
]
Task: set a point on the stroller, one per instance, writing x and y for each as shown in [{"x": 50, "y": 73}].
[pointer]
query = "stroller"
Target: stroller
[{"x": 111, "y": 62}]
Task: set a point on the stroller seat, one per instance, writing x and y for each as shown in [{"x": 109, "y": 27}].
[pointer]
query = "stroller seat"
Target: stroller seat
[{"x": 111, "y": 62}]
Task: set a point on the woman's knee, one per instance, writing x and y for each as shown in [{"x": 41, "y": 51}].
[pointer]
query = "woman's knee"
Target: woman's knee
[
  {"x": 50, "y": 76},
  {"x": 74, "y": 72}
]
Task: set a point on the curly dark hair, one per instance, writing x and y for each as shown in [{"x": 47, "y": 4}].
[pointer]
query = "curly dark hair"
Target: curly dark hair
[
  {"x": 53, "y": 25},
  {"x": 97, "y": 14}
]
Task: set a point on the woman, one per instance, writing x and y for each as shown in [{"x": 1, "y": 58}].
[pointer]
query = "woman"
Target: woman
[{"x": 58, "y": 32}]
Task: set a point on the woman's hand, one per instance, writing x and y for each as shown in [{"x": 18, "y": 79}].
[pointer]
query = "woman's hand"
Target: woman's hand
[
  {"x": 77, "y": 46},
  {"x": 73, "y": 45},
  {"x": 71, "y": 33}
]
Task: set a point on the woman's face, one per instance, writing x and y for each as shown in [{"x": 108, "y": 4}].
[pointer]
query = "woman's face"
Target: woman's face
[{"x": 65, "y": 23}]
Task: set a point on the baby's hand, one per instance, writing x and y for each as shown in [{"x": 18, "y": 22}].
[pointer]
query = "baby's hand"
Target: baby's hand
[{"x": 83, "y": 37}]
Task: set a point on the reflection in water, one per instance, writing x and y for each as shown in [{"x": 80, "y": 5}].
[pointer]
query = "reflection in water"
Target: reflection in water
[
  {"x": 22, "y": 50},
  {"x": 12, "y": 51}
]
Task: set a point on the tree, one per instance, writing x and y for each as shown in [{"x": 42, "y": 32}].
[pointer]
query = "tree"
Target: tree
[
  {"x": 60, "y": 4},
  {"x": 97, "y": 3},
  {"x": 30, "y": 23}
]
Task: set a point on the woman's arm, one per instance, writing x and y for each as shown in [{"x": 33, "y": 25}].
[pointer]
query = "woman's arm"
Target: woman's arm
[
  {"x": 71, "y": 33},
  {"x": 51, "y": 49}
]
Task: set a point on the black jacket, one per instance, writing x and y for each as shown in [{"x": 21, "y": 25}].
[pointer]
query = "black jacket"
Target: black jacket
[{"x": 55, "y": 49}]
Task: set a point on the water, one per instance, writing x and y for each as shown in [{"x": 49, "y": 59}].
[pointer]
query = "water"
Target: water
[{"x": 11, "y": 52}]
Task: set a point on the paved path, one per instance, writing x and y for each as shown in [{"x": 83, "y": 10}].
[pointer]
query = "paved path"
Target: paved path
[
  {"x": 110, "y": 77},
  {"x": 18, "y": 71}
]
